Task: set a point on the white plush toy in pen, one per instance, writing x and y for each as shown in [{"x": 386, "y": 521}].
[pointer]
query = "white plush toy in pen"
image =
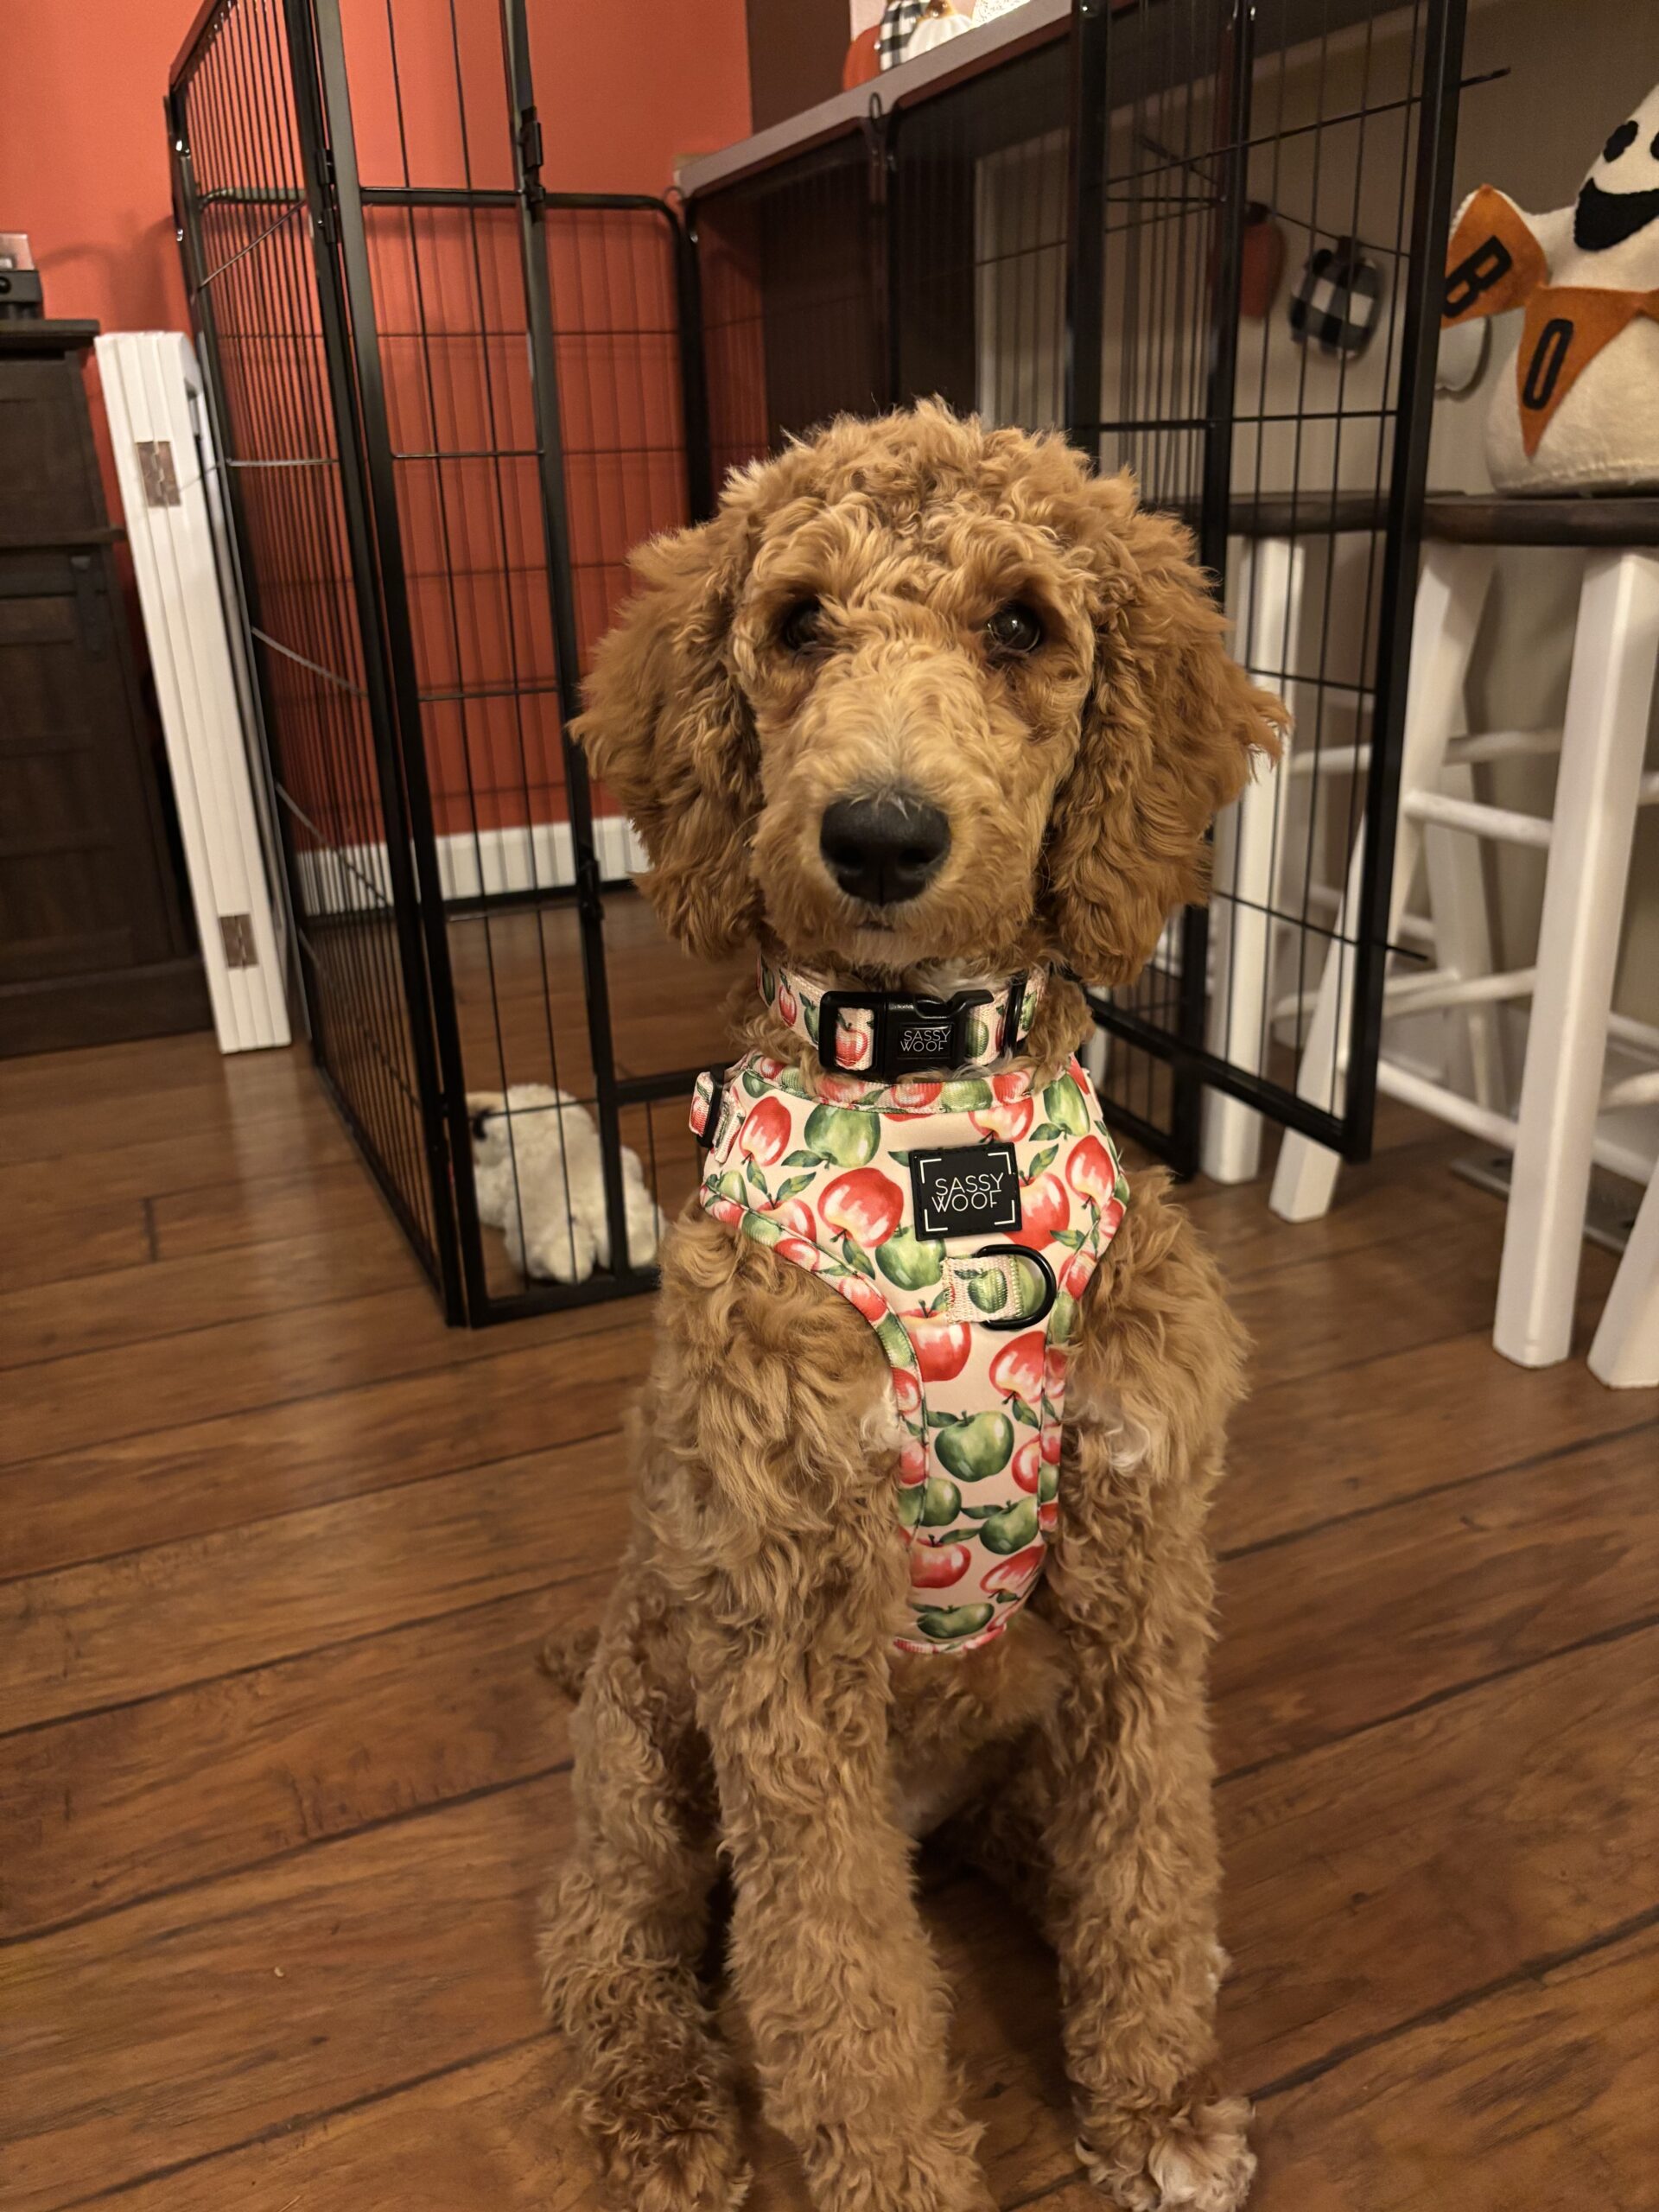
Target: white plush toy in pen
[
  {"x": 536, "y": 1164},
  {"x": 1580, "y": 410}
]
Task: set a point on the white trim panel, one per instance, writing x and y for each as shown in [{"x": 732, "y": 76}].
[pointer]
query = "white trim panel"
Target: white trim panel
[{"x": 147, "y": 378}]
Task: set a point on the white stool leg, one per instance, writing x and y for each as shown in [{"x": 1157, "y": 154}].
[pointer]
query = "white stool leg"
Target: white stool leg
[
  {"x": 1093, "y": 1052},
  {"x": 1625, "y": 1353},
  {"x": 1615, "y": 650},
  {"x": 1451, "y": 594},
  {"x": 1242, "y": 929},
  {"x": 1463, "y": 947}
]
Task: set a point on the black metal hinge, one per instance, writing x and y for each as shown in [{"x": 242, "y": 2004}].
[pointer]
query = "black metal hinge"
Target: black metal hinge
[
  {"x": 590, "y": 894},
  {"x": 529, "y": 155},
  {"x": 327, "y": 216},
  {"x": 877, "y": 125}
]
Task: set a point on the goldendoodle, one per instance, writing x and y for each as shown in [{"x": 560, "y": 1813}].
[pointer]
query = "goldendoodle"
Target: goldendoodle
[{"x": 937, "y": 720}]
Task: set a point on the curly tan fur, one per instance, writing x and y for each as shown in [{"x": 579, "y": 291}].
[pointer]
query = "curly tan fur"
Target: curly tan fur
[{"x": 744, "y": 1697}]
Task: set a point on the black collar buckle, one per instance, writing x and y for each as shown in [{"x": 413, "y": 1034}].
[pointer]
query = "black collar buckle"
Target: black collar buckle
[{"x": 908, "y": 1036}]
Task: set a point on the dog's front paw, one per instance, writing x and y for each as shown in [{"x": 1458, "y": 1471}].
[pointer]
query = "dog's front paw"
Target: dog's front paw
[
  {"x": 678, "y": 2170},
  {"x": 1190, "y": 2156}
]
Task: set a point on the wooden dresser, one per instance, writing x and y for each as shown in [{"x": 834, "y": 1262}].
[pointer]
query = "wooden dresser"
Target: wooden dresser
[{"x": 95, "y": 939}]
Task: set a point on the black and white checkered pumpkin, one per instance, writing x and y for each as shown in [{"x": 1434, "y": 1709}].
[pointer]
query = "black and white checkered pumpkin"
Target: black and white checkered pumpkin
[
  {"x": 1337, "y": 301},
  {"x": 899, "y": 19}
]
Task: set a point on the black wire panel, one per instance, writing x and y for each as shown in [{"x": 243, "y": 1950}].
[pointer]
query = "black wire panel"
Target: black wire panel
[
  {"x": 371, "y": 246},
  {"x": 529, "y": 352},
  {"x": 248, "y": 237},
  {"x": 979, "y": 206},
  {"x": 1223, "y": 131},
  {"x": 1064, "y": 241},
  {"x": 452, "y": 400},
  {"x": 794, "y": 302}
]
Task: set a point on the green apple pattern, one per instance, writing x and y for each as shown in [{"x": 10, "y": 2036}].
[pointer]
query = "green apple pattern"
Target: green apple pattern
[{"x": 819, "y": 1173}]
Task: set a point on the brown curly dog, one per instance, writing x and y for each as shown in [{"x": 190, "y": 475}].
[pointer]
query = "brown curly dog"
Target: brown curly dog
[{"x": 971, "y": 619}]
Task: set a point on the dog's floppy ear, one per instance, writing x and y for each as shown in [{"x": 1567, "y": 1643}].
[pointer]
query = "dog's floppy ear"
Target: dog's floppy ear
[
  {"x": 1169, "y": 729},
  {"x": 667, "y": 728}
]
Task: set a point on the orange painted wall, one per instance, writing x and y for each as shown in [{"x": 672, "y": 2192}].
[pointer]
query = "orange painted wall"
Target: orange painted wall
[{"x": 624, "y": 86}]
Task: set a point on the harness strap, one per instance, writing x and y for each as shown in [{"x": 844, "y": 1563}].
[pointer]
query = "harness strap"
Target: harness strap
[{"x": 963, "y": 1219}]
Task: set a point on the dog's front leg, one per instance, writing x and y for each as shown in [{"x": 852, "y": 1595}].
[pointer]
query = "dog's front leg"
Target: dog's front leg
[
  {"x": 785, "y": 1538},
  {"x": 845, "y": 2002},
  {"x": 1126, "y": 1768},
  {"x": 625, "y": 1923}
]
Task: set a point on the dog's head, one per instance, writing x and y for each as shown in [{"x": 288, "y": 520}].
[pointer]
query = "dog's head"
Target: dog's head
[{"x": 923, "y": 693}]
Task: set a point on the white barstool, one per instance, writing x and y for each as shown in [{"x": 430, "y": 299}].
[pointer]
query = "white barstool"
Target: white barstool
[
  {"x": 1599, "y": 788},
  {"x": 1258, "y": 843},
  {"x": 1625, "y": 1353}
]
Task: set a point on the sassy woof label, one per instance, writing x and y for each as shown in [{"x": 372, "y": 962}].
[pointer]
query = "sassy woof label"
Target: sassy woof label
[
  {"x": 930, "y": 1044},
  {"x": 965, "y": 1191}
]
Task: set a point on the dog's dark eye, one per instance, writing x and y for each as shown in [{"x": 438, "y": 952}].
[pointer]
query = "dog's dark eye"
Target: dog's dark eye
[
  {"x": 802, "y": 627},
  {"x": 1621, "y": 141},
  {"x": 1014, "y": 629}
]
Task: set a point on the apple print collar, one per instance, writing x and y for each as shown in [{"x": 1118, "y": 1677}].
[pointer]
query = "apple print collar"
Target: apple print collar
[
  {"x": 893, "y": 1035},
  {"x": 963, "y": 1218}
]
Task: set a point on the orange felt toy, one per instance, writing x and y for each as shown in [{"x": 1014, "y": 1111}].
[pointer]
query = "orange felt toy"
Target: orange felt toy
[{"x": 1582, "y": 412}]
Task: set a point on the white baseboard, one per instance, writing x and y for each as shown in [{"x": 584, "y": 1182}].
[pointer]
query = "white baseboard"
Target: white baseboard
[
  {"x": 492, "y": 864},
  {"x": 539, "y": 858}
]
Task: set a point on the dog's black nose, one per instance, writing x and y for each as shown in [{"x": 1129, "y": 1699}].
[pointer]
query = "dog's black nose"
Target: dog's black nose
[{"x": 883, "y": 850}]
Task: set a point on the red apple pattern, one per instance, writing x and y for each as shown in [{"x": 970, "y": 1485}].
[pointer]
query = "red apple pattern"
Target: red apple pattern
[{"x": 828, "y": 1196}]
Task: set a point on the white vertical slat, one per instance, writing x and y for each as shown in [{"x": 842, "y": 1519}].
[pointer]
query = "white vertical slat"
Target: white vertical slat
[
  {"x": 182, "y": 620},
  {"x": 271, "y": 868},
  {"x": 222, "y": 740},
  {"x": 125, "y": 407},
  {"x": 146, "y": 394}
]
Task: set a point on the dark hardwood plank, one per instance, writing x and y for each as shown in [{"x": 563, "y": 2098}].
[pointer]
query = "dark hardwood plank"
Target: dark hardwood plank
[
  {"x": 1541, "y": 2095},
  {"x": 99, "y": 1397},
  {"x": 524, "y": 1388},
  {"x": 117, "y": 1072},
  {"x": 189, "y": 2025},
  {"x": 55, "y": 1236},
  {"x": 252, "y": 1210},
  {"x": 1408, "y": 1190},
  {"x": 488, "y": 2136},
  {"x": 1328, "y": 1634},
  {"x": 1312, "y": 1447},
  {"x": 272, "y": 1144},
  {"x": 1379, "y": 1877},
  {"x": 112, "y": 1807},
  {"x": 1308, "y": 1316},
  {"x": 166, "y": 1298},
  {"x": 150, "y": 1621},
  {"x": 288, "y": 1778},
  {"x": 65, "y": 1118}
]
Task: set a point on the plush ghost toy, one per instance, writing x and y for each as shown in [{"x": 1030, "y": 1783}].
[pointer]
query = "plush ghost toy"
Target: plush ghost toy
[{"x": 1581, "y": 413}]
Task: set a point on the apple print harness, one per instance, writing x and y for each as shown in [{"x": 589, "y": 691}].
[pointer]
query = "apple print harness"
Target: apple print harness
[{"x": 963, "y": 1215}]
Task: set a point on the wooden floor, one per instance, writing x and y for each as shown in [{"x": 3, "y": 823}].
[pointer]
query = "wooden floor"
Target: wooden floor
[{"x": 279, "y": 1777}]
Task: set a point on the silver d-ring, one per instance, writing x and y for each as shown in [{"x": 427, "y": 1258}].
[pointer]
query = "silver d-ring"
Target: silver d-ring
[{"x": 1051, "y": 1286}]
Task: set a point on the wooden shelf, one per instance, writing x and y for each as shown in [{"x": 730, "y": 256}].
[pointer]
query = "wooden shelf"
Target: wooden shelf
[
  {"x": 45, "y": 336},
  {"x": 1461, "y": 517}
]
